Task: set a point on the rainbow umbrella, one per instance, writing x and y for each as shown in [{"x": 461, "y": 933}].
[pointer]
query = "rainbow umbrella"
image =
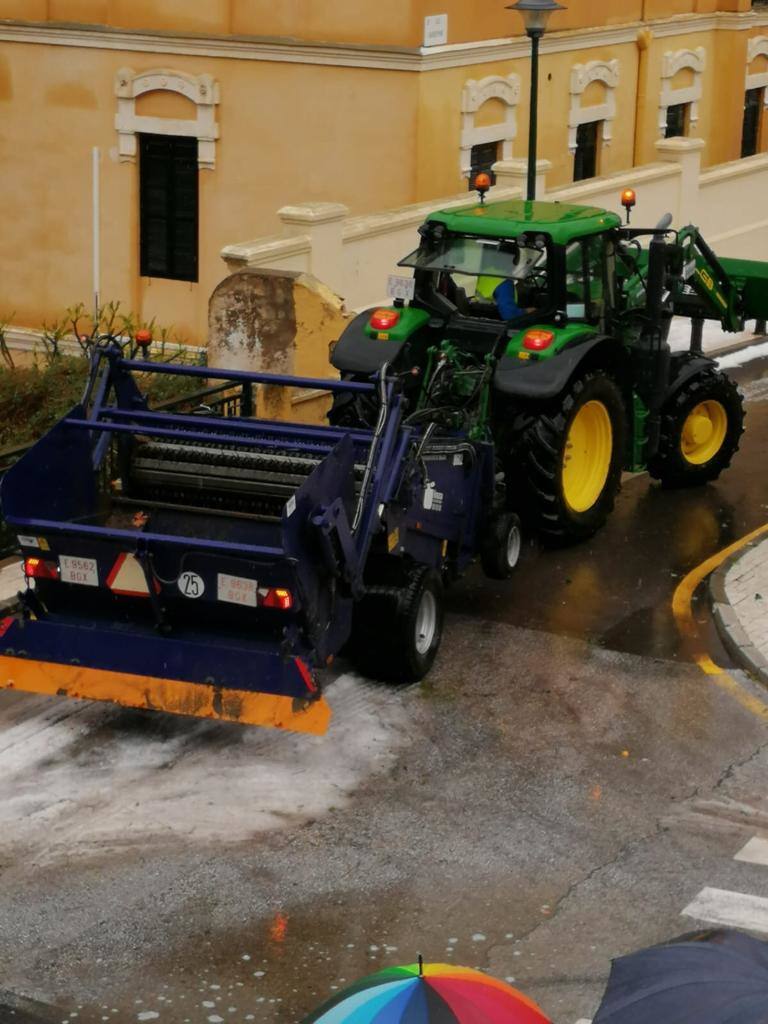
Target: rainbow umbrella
[{"x": 429, "y": 994}]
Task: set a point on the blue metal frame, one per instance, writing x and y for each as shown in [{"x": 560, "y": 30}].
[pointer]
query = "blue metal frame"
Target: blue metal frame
[
  {"x": 274, "y": 379},
  {"x": 321, "y": 545}
]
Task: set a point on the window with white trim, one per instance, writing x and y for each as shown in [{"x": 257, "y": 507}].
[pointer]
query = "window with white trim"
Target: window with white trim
[
  {"x": 476, "y": 138},
  {"x": 590, "y": 125},
  {"x": 679, "y": 101}
]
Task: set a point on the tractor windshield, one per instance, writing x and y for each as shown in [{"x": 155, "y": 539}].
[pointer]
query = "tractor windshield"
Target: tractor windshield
[{"x": 478, "y": 257}]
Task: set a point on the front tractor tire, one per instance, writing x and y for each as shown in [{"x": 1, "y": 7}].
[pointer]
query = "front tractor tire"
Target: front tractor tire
[
  {"x": 566, "y": 460},
  {"x": 701, "y": 426}
]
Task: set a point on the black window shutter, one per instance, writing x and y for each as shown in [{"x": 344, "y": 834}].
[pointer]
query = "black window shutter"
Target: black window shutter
[
  {"x": 169, "y": 207},
  {"x": 753, "y": 103},
  {"x": 676, "y": 118},
  {"x": 585, "y": 159},
  {"x": 482, "y": 158}
]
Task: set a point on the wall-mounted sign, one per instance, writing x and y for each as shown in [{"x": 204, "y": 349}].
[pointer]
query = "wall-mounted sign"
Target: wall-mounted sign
[{"x": 436, "y": 30}]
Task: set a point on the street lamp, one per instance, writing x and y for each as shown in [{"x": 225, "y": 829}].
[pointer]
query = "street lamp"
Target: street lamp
[{"x": 535, "y": 15}]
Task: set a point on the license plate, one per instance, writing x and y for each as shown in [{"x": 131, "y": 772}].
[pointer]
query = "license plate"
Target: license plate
[
  {"x": 401, "y": 287},
  {"x": 84, "y": 571},
  {"x": 237, "y": 590}
]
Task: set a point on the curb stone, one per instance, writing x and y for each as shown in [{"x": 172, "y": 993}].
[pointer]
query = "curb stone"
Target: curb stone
[{"x": 734, "y": 637}]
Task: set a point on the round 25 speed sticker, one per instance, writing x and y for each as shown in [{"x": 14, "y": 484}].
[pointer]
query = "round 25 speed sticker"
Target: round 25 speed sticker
[{"x": 191, "y": 585}]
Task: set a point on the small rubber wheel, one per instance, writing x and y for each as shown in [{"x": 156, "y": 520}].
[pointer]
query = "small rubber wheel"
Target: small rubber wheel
[
  {"x": 502, "y": 545},
  {"x": 396, "y": 631},
  {"x": 701, "y": 426}
]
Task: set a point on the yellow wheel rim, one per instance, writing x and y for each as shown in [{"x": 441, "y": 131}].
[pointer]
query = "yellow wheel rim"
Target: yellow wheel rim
[
  {"x": 704, "y": 432},
  {"x": 587, "y": 456}
]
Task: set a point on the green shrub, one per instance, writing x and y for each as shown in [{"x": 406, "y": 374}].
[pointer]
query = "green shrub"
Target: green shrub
[{"x": 34, "y": 398}]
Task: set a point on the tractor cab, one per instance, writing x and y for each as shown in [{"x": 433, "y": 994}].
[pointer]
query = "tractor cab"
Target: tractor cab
[
  {"x": 486, "y": 278},
  {"x": 515, "y": 260},
  {"x": 516, "y": 266}
]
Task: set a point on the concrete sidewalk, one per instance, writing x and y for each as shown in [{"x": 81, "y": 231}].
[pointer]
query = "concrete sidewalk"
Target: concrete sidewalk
[{"x": 739, "y": 591}]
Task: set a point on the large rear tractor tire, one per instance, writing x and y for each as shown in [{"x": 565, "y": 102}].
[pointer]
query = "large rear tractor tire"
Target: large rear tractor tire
[
  {"x": 701, "y": 427},
  {"x": 397, "y": 631},
  {"x": 565, "y": 462}
]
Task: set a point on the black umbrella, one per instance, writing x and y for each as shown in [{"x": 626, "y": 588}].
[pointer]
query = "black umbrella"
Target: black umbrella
[{"x": 712, "y": 977}]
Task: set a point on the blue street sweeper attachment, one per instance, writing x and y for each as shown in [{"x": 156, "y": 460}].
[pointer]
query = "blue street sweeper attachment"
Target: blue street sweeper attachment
[{"x": 213, "y": 565}]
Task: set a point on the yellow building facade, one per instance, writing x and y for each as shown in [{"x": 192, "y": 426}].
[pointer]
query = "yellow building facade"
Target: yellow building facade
[{"x": 209, "y": 115}]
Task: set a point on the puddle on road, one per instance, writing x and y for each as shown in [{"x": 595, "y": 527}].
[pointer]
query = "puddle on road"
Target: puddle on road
[
  {"x": 83, "y": 779},
  {"x": 290, "y": 963}
]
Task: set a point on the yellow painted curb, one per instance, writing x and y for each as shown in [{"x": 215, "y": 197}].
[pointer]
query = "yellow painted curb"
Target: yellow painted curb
[{"x": 682, "y": 609}]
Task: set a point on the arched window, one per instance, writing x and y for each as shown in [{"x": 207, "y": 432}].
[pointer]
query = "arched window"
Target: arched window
[
  {"x": 679, "y": 102},
  {"x": 592, "y": 113},
  {"x": 201, "y": 90},
  {"x": 489, "y": 122},
  {"x": 173, "y": 148}
]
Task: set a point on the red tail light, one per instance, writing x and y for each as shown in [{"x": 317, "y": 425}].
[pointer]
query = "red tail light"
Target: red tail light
[
  {"x": 5, "y": 625},
  {"x": 537, "y": 341},
  {"x": 278, "y": 598},
  {"x": 37, "y": 568},
  {"x": 384, "y": 319}
]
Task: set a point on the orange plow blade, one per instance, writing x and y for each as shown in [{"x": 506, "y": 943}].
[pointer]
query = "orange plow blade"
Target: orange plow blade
[{"x": 198, "y": 700}]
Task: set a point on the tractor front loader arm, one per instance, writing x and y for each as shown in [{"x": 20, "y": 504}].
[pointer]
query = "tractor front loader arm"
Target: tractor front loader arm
[{"x": 715, "y": 288}]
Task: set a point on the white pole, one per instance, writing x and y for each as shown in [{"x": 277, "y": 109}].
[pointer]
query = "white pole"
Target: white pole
[{"x": 96, "y": 235}]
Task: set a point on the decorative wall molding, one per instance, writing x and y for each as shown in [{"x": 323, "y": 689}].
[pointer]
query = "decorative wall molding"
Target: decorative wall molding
[
  {"x": 757, "y": 47},
  {"x": 671, "y": 64},
  {"x": 473, "y": 96},
  {"x": 582, "y": 76},
  {"x": 202, "y": 90},
  {"x": 391, "y": 58}
]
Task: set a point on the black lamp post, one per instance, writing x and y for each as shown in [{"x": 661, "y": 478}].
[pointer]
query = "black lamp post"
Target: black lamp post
[{"x": 535, "y": 15}]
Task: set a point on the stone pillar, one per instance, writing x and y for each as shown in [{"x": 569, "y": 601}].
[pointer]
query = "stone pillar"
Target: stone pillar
[
  {"x": 514, "y": 174},
  {"x": 687, "y": 154},
  {"x": 276, "y": 321},
  {"x": 323, "y": 224}
]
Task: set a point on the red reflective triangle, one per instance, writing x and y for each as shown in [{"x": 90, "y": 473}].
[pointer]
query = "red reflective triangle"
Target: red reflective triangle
[{"x": 127, "y": 577}]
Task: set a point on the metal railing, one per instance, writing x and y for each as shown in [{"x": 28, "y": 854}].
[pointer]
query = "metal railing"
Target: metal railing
[{"x": 222, "y": 399}]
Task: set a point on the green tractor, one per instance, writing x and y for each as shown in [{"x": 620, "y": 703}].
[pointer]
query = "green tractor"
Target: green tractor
[{"x": 544, "y": 327}]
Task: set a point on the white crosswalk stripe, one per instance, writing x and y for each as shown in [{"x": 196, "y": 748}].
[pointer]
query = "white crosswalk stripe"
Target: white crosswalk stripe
[
  {"x": 755, "y": 852},
  {"x": 730, "y": 909}
]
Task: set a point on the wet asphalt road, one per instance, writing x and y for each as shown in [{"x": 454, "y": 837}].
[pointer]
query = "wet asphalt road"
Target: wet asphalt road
[
  {"x": 554, "y": 795},
  {"x": 615, "y": 590}
]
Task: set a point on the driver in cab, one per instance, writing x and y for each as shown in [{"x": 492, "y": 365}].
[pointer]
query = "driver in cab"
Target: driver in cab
[{"x": 502, "y": 292}]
